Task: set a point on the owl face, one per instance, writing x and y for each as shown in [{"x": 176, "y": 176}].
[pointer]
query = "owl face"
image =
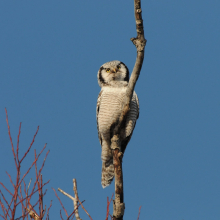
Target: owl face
[{"x": 111, "y": 72}]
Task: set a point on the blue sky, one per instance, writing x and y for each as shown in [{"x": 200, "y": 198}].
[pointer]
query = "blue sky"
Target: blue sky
[{"x": 50, "y": 55}]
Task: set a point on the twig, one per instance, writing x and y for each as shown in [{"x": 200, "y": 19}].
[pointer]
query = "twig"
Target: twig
[
  {"x": 47, "y": 216},
  {"x": 5, "y": 201},
  {"x": 17, "y": 194},
  {"x": 9, "y": 133},
  {"x": 34, "y": 192},
  {"x": 60, "y": 202},
  {"x": 19, "y": 132},
  {"x": 75, "y": 201},
  {"x": 6, "y": 188},
  {"x": 85, "y": 209},
  {"x": 29, "y": 185},
  {"x": 108, "y": 204},
  {"x": 74, "y": 211},
  {"x": 139, "y": 212},
  {"x": 30, "y": 145},
  {"x": 32, "y": 164},
  {"x": 32, "y": 207},
  {"x": 61, "y": 215},
  {"x": 20, "y": 197},
  {"x": 33, "y": 214},
  {"x": 66, "y": 194},
  {"x": 3, "y": 207}
]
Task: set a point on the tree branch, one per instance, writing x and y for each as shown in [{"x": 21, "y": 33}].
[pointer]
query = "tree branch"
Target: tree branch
[
  {"x": 75, "y": 201},
  {"x": 140, "y": 43}
]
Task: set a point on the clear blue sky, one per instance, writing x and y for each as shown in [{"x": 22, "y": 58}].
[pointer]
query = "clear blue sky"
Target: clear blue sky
[{"x": 50, "y": 52}]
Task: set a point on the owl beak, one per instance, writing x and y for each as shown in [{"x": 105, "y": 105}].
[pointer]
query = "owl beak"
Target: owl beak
[{"x": 114, "y": 70}]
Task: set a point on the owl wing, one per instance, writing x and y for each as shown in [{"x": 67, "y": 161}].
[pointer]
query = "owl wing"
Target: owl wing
[
  {"x": 130, "y": 123},
  {"x": 97, "y": 115}
]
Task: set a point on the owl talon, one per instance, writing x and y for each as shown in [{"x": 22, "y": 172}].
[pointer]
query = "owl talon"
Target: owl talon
[{"x": 120, "y": 155}]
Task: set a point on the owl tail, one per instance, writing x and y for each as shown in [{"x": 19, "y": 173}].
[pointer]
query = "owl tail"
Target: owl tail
[{"x": 107, "y": 173}]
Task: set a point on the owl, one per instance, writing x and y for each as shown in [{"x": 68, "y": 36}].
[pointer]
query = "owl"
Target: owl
[{"x": 113, "y": 79}]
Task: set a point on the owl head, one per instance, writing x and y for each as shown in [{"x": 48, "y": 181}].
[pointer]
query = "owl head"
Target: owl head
[{"x": 112, "y": 72}]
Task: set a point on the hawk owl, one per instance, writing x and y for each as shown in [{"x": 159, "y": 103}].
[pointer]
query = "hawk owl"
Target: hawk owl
[{"x": 113, "y": 79}]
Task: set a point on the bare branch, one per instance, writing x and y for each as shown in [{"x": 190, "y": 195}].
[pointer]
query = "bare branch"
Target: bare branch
[
  {"x": 20, "y": 197},
  {"x": 74, "y": 211},
  {"x": 61, "y": 215},
  {"x": 139, "y": 42},
  {"x": 75, "y": 201},
  {"x": 17, "y": 194},
  {"x": 108, "y": 204},
  {"x": 33, "y": 163},
  {"x": 47, "y": 216},
  {"x": 5, "y": 200},
  {"x": 84, "y": 208},
  {"x": 29, "y": 185},
  {"x": 3, "y": 207},
  {"x": 32, "y": 213},
  {"x": 139, "y": 213},
  {"x": 30, "y": 145},
  {"x": 34, "y": 192},
  {"x": 66, "y": 194},
  {"x": 19, "y": 132},
  {"x": 6, "y": 188},
  {"x": 9, "y": 133},
  {"x": 60, "y": 202}
]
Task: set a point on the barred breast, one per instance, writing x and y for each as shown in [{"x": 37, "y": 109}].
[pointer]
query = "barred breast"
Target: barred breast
[
  {"x": 132, "y": 115},
  {"x": 110, "y": 110}
]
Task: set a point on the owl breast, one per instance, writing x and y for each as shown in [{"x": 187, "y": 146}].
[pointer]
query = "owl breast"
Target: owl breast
[{"x": 110, "y": 108}]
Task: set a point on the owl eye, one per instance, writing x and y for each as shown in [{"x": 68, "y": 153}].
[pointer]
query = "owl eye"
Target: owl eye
[
  {"x": 119, "y": 67},
  {"x": 108, "y": 70}
]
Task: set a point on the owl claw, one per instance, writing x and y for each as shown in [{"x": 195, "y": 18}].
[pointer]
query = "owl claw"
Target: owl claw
[{"x": 120, "y": 154}]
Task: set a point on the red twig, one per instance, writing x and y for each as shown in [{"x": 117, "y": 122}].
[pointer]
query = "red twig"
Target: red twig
[
  {"x": 6, "y": 188},
  {"x": 26, "y": 194},
  {"x": 75, "y": 210},
  {"x": 61, "y": 215},
  {"x": 37, "y": 182},
  {"x": 2, "y": 216},
  {"x": 33, "y": 164},
  {"x": 60, "y": 203},
  {"x": 20, "y": 197},
  {"x": 84, "y": 209},
  {"x": 19, "y": 132},
  {"x": 30, "y": 145},
  {"x": 41, "y": 210},
  {"x": 108, "y": 204},
  {"x": 34, "y": 192},
  {"x": 32, "y": 208},
  {"x": 139, "y": 212},
  {"x": 9, "y": 205},
  {"x": 44, "y": 160},
  {"x": 47, "y": 216},
  {"x": 9, "y": 133},
  {"x": 3, "y": 207},
  {"x": 17, "y": 194},
  {"x": 9, "y": 208}
]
